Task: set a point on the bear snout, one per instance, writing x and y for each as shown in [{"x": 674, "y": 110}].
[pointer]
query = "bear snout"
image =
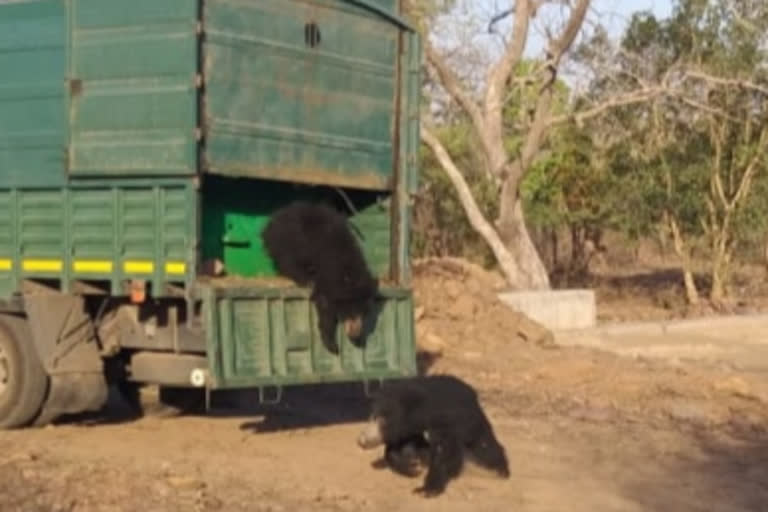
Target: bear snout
[
  {"x": 370, "y": 437},
  {"x": 354, "y": 327}
]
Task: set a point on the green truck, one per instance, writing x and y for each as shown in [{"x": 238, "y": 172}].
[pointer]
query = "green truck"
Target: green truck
[{"x": 144, "y": 144}]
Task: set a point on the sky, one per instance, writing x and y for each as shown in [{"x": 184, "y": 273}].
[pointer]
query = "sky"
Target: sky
[{"x": 614, "y": 14}]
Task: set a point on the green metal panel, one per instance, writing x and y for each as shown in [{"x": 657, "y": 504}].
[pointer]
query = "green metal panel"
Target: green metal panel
[
  {"x": 33, "y": 128},
  {"x": 388, "y": 6},
  {"x": 410, "y": 144},
  {"x": 235, "y": 211},
  {"x": 133, "y": 70},
  {"x": 106, "y": 89},
  {"x": 269, "y": 337},
  {"x": 104, "y": 231},
  {"x": 279, "y": 106}
]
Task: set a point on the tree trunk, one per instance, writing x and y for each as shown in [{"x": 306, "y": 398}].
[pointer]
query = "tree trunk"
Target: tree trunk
[
  {"x": 691, "y": 292},
  {"x": 721, "y": 265},
  {"x": 717, "y": 293},
  {"x": 555, "y": 241},
  {"x": 504, "y": 256},
  {"x": 514, "y": 233},
  {"x": 765, "y": 253}
]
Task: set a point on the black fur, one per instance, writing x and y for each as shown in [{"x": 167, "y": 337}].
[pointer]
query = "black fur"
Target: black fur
[
  {"x": 409, "y": 456},
  {"x": 313, "y": 245},
  {"x": 436, "y": 420}
]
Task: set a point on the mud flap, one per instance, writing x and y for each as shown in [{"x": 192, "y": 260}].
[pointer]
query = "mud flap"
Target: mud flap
[
  {"x": 65, "y": 341},
  {"x": 72, "y": 393}
]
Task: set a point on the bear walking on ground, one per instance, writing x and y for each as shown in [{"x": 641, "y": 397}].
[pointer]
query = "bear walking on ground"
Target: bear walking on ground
[
  {"x": 312, "y": 244},
  {"x": 436, "y": 421}
]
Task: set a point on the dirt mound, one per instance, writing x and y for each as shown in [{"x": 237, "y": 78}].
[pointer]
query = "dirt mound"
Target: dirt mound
[
  {"x": 475, "y": 336},
  {"x": 457, "y": 305}
]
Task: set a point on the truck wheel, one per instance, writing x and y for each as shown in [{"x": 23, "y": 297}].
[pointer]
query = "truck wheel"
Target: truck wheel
[{"x": 23, "y": 381}]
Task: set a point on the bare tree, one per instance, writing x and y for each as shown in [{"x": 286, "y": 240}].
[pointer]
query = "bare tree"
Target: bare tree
[{"x": 508, "y": 236}]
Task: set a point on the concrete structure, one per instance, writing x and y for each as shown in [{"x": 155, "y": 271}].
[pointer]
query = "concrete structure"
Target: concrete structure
[{"x": 555, "y": 309}]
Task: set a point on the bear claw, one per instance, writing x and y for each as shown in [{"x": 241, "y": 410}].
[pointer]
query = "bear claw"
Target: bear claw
[{"x": 427, "y": 493}]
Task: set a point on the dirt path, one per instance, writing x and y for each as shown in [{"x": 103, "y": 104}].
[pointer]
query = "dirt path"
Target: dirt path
[
  {"x": 578, "y": 459},
  {"x": 586, "y": 431},
  {"x": 738, "y": 341}
]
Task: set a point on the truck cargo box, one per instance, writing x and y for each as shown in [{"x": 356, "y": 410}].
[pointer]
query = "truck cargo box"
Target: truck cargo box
[{"x": 143, "y": 141}]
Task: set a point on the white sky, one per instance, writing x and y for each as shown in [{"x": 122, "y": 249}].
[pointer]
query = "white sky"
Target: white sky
[{"x": 475, "y": 14}]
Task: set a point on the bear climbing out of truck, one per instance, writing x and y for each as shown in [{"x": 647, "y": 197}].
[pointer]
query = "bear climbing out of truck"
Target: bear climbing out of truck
[
  {"x": 435, "y": 421},
  {"x": 313, "y": 245}
]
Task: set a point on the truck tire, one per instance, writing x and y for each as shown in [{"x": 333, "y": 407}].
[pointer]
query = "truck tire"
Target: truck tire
[{"x": 23, "y": 381}]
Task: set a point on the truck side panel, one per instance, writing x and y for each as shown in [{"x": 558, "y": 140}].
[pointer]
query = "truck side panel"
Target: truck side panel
[
  {"x": 33, "y": 125},
  {"x": 300, "y": 91},
  {"x": 132, "y": 81},
  {"x": 104, "y": 231}
]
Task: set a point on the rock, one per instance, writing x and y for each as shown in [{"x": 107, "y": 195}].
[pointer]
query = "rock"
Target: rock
[
  {"x": 68, "y": 506},
  {"x": 533, "y": 332},
  {"x": 212, "y": 503},
  {"x": 736, "y": 386},
  {"x": 419, "y": 312},
  {"x": 431, "y": 343},
  {"x": 184, "y": 482},
  {"x": 462, "y": 308},
  {"x": 682, "y": 410},
  {"x": 452, "y": 289},
  {"x": 29, "y": 474},
  {"x": 19, "y": 457},
  {"x": 161, "y": 489}
]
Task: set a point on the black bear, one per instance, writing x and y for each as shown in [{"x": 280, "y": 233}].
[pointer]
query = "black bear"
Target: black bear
[
  {"x": 435, "y": 421},
  {"x": 312, "y": 244}
]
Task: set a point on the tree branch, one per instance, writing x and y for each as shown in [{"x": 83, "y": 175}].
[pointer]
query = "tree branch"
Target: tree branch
[
  {"x": 474, "y": 214},
  {"x": 622, "y": 100},
  {"x": 453, "y": 86},
  {"x": 498, "y": 17},
  {"x": 727, "y": 82},
  {"x": 500, "y": 75},
  {"x": 706, "y": 108},
  {"x": 746, "y": 179},
  {"x": 564, "y": 42}
]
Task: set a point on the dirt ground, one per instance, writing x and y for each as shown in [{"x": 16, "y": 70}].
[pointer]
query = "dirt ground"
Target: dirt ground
[
  {"x": 655, "y": 292},
  {"x": 584, "y": 430}
]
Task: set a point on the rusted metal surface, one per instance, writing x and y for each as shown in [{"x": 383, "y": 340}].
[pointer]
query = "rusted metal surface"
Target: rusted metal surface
[
  {"x": 244, "y": 352},
  {"x": 33, "y": 127},
  {"x": 132, "y": 92},
  {"x": 365, "y": 179},
  {"x": 302, "y": 91},
  {"x": 166, "y": 369}
]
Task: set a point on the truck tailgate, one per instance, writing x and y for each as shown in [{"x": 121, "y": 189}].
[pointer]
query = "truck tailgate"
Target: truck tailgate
[{"x": 268, "y": 336}]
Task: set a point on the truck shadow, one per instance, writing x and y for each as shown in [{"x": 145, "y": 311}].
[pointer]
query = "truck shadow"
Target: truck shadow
[
  {"x": 300, "y": 407},
  {"x": 303, "y": 407}
]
